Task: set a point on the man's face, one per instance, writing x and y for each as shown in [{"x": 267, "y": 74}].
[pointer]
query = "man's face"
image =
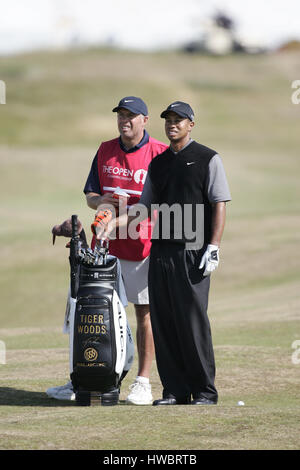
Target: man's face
[
  {"x": 130, "y": 125},
  {"x": 177, "y": 127}
]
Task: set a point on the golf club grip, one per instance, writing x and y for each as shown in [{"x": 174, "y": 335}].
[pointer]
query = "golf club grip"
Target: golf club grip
[
  {"x": 73, "y": 256},
  {"x": 74, "y": 226}
]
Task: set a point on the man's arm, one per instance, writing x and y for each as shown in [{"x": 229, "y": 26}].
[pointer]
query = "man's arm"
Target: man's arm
[
  {"x": 141, "y": 210},
  {"x": 92, "y": 189},
  {"x": 218, "y": 222},
  {"x": 135, "y": 215},
  {"x": 218, "y": 193},
  {"x": 210, "y": 259},
  {"x": 95, "y": 200}
]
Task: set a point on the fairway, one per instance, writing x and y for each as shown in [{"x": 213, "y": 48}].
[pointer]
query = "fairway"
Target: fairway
[{"x": 57, "y": 111}]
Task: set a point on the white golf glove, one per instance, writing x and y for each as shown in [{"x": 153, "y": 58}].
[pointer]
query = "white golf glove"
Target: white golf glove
[{"x": 210, "y": 259}]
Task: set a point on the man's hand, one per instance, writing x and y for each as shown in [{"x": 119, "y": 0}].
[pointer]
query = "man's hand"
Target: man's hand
[
  {"x": 95, "y": 200},
  {"x": 210, "y": 259},
  {"x": 109, "y": 199}
]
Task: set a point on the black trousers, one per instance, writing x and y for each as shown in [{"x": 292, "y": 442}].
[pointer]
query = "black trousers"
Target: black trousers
[{"x": 178, "y": 295}]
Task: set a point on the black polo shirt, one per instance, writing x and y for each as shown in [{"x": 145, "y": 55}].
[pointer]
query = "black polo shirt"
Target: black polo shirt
[{"x": 193, "y": 176}]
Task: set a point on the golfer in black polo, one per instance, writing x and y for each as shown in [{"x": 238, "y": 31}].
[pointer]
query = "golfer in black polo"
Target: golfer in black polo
[{"x": 187, "y": 175}]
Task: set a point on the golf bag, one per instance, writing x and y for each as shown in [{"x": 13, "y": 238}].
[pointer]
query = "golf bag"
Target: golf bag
[{"x": 101, "y": 346}]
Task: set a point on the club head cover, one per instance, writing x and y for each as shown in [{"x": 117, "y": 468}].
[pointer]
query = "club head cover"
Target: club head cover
[{"x": 65, "y": 229}]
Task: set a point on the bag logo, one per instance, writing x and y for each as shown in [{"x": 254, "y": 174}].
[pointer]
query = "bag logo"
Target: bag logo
[{"x": 90, "y": 354}]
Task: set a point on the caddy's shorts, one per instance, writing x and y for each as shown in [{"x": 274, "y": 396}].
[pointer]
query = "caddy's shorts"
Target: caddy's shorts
[{"x": 135, "y": 279}]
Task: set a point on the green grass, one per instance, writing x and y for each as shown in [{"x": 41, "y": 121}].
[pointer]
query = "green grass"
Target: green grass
[{"x": 58, "y": 111}]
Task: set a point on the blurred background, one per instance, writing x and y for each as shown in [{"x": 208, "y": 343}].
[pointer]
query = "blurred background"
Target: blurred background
[
  {"x": 66, "y": 64},
  {"x": 145, "y": 26}
]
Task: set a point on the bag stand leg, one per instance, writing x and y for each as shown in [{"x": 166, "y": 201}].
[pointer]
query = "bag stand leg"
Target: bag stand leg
[{"x": 86, "y": 398}]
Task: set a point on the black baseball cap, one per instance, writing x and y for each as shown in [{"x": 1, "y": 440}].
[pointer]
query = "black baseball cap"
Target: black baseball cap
[
  {"x": 133, "y": 104},
  {"x": 180, "y": 108}
]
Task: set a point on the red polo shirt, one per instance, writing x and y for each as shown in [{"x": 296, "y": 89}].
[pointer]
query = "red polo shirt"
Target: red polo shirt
[{"x": 116, "y": 168}]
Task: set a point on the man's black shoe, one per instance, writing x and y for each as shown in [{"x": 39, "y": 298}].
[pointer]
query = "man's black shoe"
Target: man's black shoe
[
  {"x": 165, "y": 401},
  {"x": 171, "y": 400},
  {"x": 203, "y": 401}
]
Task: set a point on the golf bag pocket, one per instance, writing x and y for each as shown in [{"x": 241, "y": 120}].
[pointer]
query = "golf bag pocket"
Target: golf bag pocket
[
  {"x": 94, "y": 337},
  {"x": 99, "y": 343}
]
